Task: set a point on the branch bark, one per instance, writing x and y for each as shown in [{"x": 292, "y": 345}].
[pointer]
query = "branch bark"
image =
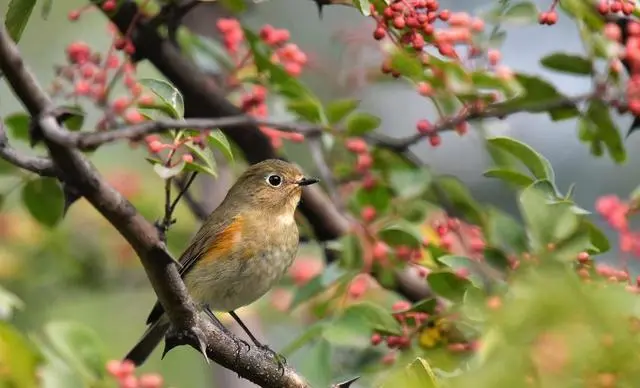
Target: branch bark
[
  {"x": 253, "y": 364},
  {"x": 37, "y": 164}
]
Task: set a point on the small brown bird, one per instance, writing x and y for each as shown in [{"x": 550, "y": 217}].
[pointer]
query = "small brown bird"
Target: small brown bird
[{"x": 241, "y": 250}]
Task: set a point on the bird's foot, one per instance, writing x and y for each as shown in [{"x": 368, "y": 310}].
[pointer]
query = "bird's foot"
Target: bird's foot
[{"x": 280, "y": 359}]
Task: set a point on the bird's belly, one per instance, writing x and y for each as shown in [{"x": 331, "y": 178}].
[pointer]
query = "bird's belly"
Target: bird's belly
[{"x": 227, "y": 284}]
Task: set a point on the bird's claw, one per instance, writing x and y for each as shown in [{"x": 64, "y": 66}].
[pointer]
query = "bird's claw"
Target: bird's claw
[{"x": 280, "y": 359}]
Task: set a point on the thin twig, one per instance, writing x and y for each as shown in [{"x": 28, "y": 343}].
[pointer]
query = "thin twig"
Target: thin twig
[
  {"x": 37, "y": 164},
  {"x": 92, "y": 140}
]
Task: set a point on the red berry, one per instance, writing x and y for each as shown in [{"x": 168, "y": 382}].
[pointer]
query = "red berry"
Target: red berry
[
  {"x": 120, "y": 104},
  {"x": 379, "y": 33},
  {"x": 82, "y": 88},
  {"x": 74, "y": 15},
  {"x": 188, "y": 158},
  {"x": 425, "y": 89},
  {"x": 109, "y": 5},
  {"x": 380, "y": 250},
  {"x": 435, "y": 140},
  {"x": 424, "y": 127},
  {"x": 155, "y": 146},
  {"x": 376, "y": 339},
  {"x": 356, "y": 145},
  {"x": 133, "y": 117},
  {"x": 368, "y": 213}
]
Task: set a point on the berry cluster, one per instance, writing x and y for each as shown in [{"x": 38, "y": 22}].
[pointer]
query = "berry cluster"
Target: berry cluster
[
  {"x": 428, "y": 331},
  {"x": 90, "y": 76},
  {"x": 124, "y": 373},
  {"x": 285, "y": 53},
  {"x": 359, "y": 146},
  {"x": 630, "y": 54},
  {"x": 615, "y": 212},
  {"x": 614, "y": 6},
  {"x": 410, "y": 25}
]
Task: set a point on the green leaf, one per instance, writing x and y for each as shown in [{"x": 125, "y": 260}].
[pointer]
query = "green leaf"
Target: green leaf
[
  {"x": 316, "y": 366},
  {"x": 460, "y": 198},
  {"x": 457, "y": 79},
  {"x": 167, "y": 93},
  {"x": 18, "y": 124},
  {"x": 19, "y": 358},
  {"x": 418, "y": 374},
  {"x": 407, "y": 65},
  {"x": 546, "y": 222},
  {"x": 79, "y": 346},
  {"x": 448, "y": 285},
  {"x": 17, "y": 17},
  {"x": 307, "y": 109},
  {"x": 307, "y": 336},
  {"x": 339, "y": 109},
  {"x": 236, "y": 6},
  {"x": 217, "y": 139},
  {"x": 483, "y": 79},
  {"x": 354, "y": 326},
  {"x": 76, "y": 119},
  {"x": 8, "y": 303},
  {"x": 568, "y": 63},
  {"x": 456, "y": 262},
  {"x": 598, "y": 239},
  {"x": 401, "y": 233},
  {"x": 525, "y": 12},
  {"x": 504, "y": 231},
  {"x": 534, "y": 161},
  {"x": 510, "y": 176},
  {"x": 203, "y": 160},
  {"x": 46, "y": 9},
  {"x": 539, "y": 93},
  {"x": 584, "y": 12},
  {"x": 496, "y": 258},
  {"x": 44, "y": 200},
  {"x": 423, "y": 306},
  {"x": 379, "y": 197},
  {"x": 364, "y": 6},
  {"x": 168, "y": 172},
  {"x": 599, "y": 114},
  {"x": 7, "y": 168},
  {"x": 410, "y": 182},
  {"x": 361, "y": 123},
  {"x": 319, "y": 284}
]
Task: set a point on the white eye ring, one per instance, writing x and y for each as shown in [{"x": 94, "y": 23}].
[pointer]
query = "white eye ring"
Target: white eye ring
[{"x": 274, "y": 180}]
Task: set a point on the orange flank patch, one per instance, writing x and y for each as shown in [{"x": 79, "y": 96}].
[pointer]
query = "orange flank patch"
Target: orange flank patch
[{"x": 224, "y": 241}]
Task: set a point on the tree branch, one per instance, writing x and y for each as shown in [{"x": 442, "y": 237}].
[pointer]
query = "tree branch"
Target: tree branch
[
  {"x": 253, "y": 364},
  {"x": 37, "y": 164},
  {"x": 92, "y": 140},
  {"x": 447, "y": 124}
]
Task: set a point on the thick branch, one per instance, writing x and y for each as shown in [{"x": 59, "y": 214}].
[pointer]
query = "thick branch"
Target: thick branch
[
  {"x": 79, "y": 172},
  {"x": 37, "y": 164}
]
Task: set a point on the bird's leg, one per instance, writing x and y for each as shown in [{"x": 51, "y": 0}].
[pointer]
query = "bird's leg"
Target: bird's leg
[
  {"x": 216, "y": 321},
  {"x": 279, "y": 358}
]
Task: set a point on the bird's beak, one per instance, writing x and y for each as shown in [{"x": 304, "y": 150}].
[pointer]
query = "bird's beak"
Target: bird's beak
[{"x": 307, "y": 181}]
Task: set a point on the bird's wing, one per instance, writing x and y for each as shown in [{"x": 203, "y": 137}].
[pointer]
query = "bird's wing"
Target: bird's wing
[{"x": 211, "y": 242}]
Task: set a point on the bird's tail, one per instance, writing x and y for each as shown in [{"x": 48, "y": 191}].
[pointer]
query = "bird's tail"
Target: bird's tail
[{"x": 150, "y": 339}]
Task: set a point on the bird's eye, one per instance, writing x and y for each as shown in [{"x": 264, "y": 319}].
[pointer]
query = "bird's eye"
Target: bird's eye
[{"x": 274, "y": 180}]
